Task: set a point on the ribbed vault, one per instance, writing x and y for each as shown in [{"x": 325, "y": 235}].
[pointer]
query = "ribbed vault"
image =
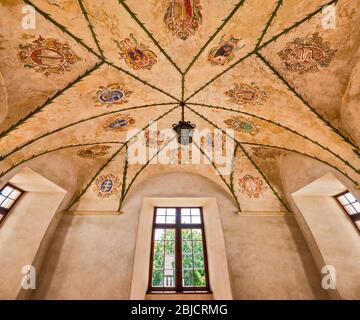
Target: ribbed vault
[{"x": 92, "y": 71}]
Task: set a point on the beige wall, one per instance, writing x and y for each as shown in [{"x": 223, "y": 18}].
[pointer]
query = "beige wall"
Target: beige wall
[
  {"x": 24, "y": 232},
  {"x": 331, "y": 237},
  {"x": 91, "y": 257}
]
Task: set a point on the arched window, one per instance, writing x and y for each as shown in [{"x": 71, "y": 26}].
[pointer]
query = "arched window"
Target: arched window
[
  {"x": 351, "y": 206},
  {"x": 9, "y": 194}
]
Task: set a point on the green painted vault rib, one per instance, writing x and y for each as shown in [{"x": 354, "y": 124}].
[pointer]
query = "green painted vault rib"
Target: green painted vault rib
[
  {"x": 86, "y": 16},
  {"x": 298, "y": 95},
  {"x": 127, "y": 189},
  {"x": 2, "y": 157},
  {"x": 226, "y": 20},
  {"x": 230, "y": 185},
  {"x": 257, "y": 49},
  {"x": 49, "y": 101},
  {"x": 54, "y": 150},
  {"x": 268, "y": 24},
  {"x": 81, "y": 43},
  {"x": 109, "y": 160},
  {"x": 149, "y": 34},
  {"x": 102, "y": 59},
  {"x": 276, "y": 147},
  {"x": 281, "y": 126},
  {"x": 247, "y": 155}
]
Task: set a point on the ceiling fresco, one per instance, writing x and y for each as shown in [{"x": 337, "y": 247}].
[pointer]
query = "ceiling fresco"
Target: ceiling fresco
[{"x": 99, "y": 81}]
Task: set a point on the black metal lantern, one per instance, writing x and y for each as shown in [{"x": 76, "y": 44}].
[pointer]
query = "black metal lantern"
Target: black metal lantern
[{"x": 184, "y": 129}]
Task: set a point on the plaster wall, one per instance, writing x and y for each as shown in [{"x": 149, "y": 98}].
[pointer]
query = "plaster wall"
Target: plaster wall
[
  {"x": 25, "y": 229},
  {"x": 92, "y": 256},
  {"x": 330, "y": 235}
]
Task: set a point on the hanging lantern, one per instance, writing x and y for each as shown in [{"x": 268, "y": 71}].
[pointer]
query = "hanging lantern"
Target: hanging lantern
[{"x": 184, "y": 131}]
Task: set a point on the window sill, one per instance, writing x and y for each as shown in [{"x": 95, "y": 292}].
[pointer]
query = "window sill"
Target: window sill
[{"x": 179, "y": 296}]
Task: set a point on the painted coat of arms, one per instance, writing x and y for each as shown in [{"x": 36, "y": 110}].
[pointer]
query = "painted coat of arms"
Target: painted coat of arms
[
  {"x": 113, "y": 94},
  {"x": 94, "y": 152},
  {"x": 241, "y": 124},
  {"x": 183, "y": 17},
  {"x": 136, "y": 55},
  {"x": 306, "y": 54},
  {"x": 118, "y": 122},
  {"x": 224, "y": 52},
  {"x": 246, "y": 94},
  {"x": 107, "y": 185},
  {"x": 48, "y": 56},
  {"x": 252, "y": 186}
]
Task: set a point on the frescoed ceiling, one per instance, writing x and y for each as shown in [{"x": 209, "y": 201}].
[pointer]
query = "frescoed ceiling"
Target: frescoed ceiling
[{"x": 92, "y": 77}]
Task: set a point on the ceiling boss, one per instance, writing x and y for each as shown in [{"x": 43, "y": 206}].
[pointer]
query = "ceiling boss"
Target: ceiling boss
[{"x": 183, "y": 17}]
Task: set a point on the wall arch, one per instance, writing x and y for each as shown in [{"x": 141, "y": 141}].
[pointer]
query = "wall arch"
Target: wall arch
[{"x": 310, "y": 186}]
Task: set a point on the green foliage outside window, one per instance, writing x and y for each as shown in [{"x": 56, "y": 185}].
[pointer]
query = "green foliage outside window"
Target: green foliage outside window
[{"x": 192, "y": 257}]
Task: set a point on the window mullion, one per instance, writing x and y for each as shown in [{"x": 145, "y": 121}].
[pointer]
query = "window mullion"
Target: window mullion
[{"x": 178, "y": 251}]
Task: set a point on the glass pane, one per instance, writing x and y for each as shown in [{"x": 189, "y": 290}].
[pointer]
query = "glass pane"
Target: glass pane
[
  {"x": 343, "y": 200},
  {"x": 195, "y": 212},
  {"x": 170, "y": 219},
  {"x": 15, "y": 194},
  {"x": 198, "y": 261},
  {"x": 170, "y": 234},
  {"x": 186, "y": 247},
  {"x": 169, "y": 278},
  {"x": 185, "y": 219},
  {"x": 199, "y": 278},
  {"x": 161, "y": 211},
  {"x": 349, "y": 208},
  {"x": 187, "y": 261},
  {"x": 186, "y": 234},
  {"x": 158, "y": 247},
  {"x": 357, "y": 206},
  {"x": 2, "y": 198},
  {"x": 169, "y": 261},
  {"x": 158, "y": 262},
  {"x": 157, "y": 278},
  {"x": 159, "y": 234},
  {"x": 7, "y": 203},
  {"x": 196, "y": 234},
  {"x": 350, "y": 197},
  {"x": 198, "y": 248},
  {"x": 6, "y": 191},
  {"x": 160, "y": 219},
  {"x": 171, "y": 212},
  {"x": 170, "y": 247},
  {"x": 185, "y": 212},
  {"x": 188, "y": 278},
  {"x": 196, "y": 219}
]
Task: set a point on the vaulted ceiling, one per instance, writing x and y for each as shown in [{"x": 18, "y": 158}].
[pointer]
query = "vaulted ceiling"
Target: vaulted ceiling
[{"x": 91, "y": 71}]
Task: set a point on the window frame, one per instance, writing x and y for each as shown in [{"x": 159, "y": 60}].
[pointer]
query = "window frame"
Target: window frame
[
  {"x": 5, "y": 212},
  {"x": 349, "y": 216},
  {"x": 178, "y": 226}
]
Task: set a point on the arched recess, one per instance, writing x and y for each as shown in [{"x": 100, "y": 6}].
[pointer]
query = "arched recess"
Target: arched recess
[
  {"x": 3, "y": 99},
  {"x": 309, "y": 187},
  {"x": 349, "y": 110},
  {"x": 49, "y": 183},
  {"x": 203, "y": 175}
]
